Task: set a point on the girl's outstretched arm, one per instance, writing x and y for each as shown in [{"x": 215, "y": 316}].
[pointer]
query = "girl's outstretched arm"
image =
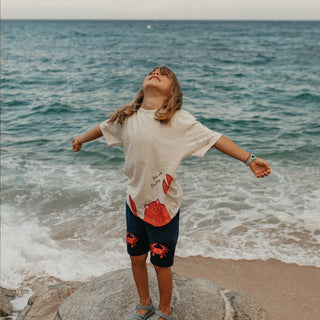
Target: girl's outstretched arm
[
  {"x": 92, "y": 134},
  {"x": 259, "y": 167}
]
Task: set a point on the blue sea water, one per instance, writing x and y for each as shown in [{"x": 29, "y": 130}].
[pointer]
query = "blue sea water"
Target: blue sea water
[{"x": 256, "y": 82}]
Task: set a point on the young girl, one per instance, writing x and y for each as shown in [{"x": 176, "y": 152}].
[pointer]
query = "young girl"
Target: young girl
[{"x": 157, "y": 135}]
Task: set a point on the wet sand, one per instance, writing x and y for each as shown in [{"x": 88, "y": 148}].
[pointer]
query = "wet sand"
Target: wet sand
[{"x": 287, "y": 291}]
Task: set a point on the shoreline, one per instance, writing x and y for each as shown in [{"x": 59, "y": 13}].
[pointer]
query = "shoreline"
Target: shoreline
[{"x": 286, "y": 290}]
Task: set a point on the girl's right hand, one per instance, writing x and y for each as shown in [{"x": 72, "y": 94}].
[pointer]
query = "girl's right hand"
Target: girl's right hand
[{"x": 76, "y": 145}]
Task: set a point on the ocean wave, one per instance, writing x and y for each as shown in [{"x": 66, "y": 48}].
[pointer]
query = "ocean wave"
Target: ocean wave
[
  {"x": 55, "y": 108},
  {"x": 15, "y": 103},
  {"x": 227, "y": 221},
  {"x": 23, "y": 265},
  {"x": 80, "y": 34},
  {"x": 308, "y": 97},
  {"x": 260, "y": 59}
]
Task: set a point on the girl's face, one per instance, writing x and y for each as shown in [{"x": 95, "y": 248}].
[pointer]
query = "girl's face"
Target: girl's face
[{"x": 158, "y": 79}]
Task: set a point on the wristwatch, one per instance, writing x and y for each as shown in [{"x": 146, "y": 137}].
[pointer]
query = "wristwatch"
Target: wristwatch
[{"x": 250, "y": 160}]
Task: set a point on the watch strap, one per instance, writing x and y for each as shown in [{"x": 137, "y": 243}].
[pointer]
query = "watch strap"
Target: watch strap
[{"x": 250, "y": 160}]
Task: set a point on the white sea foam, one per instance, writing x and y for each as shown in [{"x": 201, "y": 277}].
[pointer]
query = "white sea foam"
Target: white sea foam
[
  {"x": 29, "y": 251},
  {"x": 255, "y": 219},
  {"x": 30, "y": 256}
]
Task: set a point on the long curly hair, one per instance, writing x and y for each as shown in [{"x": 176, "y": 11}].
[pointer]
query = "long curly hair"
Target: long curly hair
[{"x": 164, "y": 114}]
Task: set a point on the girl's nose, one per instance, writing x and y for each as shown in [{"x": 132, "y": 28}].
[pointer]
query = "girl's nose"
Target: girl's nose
[{"x": 156, "y": 72}]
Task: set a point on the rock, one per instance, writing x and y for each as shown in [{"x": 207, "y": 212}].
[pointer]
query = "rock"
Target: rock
[
  {"x": 113, "y": 296},
  {"x": 243, "y": 307},
  {"x": 43, "y": 305},
  {"x": 5, "y": 302}
]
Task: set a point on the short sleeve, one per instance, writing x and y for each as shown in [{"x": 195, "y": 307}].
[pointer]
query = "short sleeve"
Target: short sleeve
[
  {"x": 113, "y": 132},
  {"x": 198, "y": 139}
]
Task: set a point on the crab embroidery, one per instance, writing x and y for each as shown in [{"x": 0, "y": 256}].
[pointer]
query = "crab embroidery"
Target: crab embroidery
[
  {"x": 159, "y": 249},
  {"x": 131, "y": 239},
  {"x": 156, "y": 214},
  {"x": 166, "y": 184}
]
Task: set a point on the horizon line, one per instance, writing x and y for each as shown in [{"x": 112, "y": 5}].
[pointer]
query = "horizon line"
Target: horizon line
[{"x": 158, "y": 19}]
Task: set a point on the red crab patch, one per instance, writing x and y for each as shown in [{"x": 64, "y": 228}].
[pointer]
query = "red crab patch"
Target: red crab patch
[
  {"x": 156, "y": 214},
  {"x": 131, "y": 239},
  {"x": 158, "y": 249}
]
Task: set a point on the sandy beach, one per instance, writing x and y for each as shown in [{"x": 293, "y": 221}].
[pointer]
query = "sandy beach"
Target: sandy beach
[{"x": 287, "y": 291}]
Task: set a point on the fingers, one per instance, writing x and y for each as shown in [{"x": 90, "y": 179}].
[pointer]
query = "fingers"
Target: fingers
[
  {"x": 76, "y": 146},
  {"x": 260, "y": 168},
  {"x": 263, "y": 173}
]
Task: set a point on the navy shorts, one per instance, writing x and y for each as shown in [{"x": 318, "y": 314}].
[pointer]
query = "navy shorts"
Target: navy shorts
[{"x": 143, "y": 237}]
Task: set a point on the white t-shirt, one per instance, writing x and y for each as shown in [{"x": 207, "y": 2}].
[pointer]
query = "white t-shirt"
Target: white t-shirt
[{"x": 153, "y": 152}]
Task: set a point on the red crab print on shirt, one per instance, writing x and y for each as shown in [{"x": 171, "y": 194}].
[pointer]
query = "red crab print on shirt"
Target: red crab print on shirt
[
  {"x": 166, "y": 184},
  {"x": 156, "y": 214}
]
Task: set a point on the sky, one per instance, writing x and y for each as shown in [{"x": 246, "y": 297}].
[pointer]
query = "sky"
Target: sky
[{"x": 162, "y": 9}]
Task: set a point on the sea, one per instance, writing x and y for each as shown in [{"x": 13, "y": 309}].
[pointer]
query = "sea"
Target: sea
[{"x": 63, "y": 213}]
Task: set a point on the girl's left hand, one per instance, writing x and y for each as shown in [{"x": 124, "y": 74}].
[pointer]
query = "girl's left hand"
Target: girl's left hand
[{"x": 260, "y": 168}]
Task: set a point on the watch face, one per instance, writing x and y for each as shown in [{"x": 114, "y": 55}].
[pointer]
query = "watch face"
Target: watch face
[{"x": 250, "y": 160}]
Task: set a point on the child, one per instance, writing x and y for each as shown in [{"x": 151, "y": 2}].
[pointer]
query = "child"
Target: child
[{"x": 157, "y": 135}]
